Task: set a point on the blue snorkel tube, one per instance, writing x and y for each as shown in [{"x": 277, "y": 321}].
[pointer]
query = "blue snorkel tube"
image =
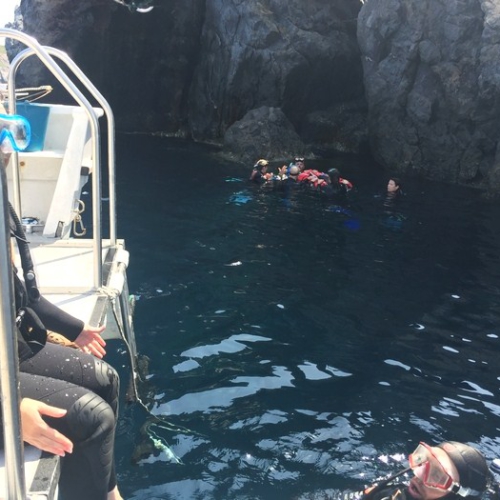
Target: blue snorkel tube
[{"x": 15, "y": 133}]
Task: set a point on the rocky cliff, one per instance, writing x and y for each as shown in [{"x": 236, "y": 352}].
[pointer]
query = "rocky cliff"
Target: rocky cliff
[
  {"x": 193, "y": 67},
  {"x": 432, "y": 79},
  {"x": 419, "y": 78}
]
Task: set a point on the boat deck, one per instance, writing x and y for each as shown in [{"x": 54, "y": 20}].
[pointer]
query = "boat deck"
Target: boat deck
[
  {"x": 63, "y": 277},
  {"x": 41, "y": 471}
]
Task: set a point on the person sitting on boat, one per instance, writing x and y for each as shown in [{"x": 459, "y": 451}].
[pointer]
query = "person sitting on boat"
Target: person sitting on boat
[
  {"x": 69, "y": 398},
  {"x": 259, "y": 173},
  {"x": 450, "y": 470},
  {"x": 69, "y": 401}
]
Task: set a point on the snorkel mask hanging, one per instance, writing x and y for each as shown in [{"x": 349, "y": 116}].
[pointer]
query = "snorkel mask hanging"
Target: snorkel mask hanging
[{"x": 15, "y": 133}]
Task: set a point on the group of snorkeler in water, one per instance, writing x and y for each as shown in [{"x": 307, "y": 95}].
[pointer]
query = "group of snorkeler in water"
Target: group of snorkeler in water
[{"x": 330, "y": 183}]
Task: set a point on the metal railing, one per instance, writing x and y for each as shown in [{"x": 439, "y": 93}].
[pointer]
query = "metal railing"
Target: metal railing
[
  {"x": 16, "y": 62},
  {"x": 9, "y": 365},
  {"x": 45, "y": 55}
]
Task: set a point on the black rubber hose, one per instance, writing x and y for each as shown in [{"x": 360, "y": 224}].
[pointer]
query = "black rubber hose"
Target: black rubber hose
[{"x": 25, "y": 254}]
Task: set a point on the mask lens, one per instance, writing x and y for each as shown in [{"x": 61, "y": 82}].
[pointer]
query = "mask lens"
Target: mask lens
[
  {"x": 15, "y": 133},
  {"x": 428, "y": 469}
]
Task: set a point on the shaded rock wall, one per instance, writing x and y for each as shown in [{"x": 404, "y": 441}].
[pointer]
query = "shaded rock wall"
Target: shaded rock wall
[
  {"x": 142, "y": 63},
  {"x": 432, "y": 80},
  {"x": 263, "y": 133},
  {"x": 426, "y": 72},
  {"x": 298, "y": 55},
  {"x": 194, "y": 67}
]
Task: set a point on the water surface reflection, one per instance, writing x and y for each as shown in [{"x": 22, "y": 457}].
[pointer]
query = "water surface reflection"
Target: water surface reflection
[{"x": 297, "y": 349}]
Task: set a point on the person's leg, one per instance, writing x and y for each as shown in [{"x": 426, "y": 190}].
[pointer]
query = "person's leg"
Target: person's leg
[
  {"x": 89, "y": 424},
  {"x": 81, "y": 369},
  {"x": 77, "y": 367}
]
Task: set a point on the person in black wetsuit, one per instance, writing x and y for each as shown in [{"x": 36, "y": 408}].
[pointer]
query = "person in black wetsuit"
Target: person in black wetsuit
[
  {"x": 451, "y": 471},
  {"x": 394, "y": 192},
  {"x": 338, "y": 184},
  {"x": 69, "y": 398},
  {"x": 393, "y": 217},
  {"x": 69, "y": 406},
  {"x": 290, "y": 184},
  {"x": 259, "y": 173}
]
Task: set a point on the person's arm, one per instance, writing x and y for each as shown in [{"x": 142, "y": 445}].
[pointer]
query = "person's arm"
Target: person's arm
[
  {"x": 87, "y": 338},
  {"x": 37, "y": 432},
  {"x": 57, "y": 320}
]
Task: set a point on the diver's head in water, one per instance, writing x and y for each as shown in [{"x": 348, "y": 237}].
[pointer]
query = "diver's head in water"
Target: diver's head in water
[
  {"x": 452, "y": 470},
  {"x": 393, "y": 185},
  {"x": 334, "y": 175},
  {"x": 300, "y": 162},
  {"x": 261, "y": 166},
  {"x": 334, "y": 181}
]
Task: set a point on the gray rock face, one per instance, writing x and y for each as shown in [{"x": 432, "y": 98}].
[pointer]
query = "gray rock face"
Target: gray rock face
[
  {"x": 263, "y": 133},
  {"x": 428, "y": 71},
  {"x": 341, "y": 128},
  {"x": 433, "y": 86},
  {"x": 193, "y": 68},
  {"x": 298, "y": 55},
  {"x": 142, "y": 63}
]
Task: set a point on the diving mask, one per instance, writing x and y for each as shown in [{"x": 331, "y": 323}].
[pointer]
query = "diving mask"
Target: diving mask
[
  {"x": 15, "y": 133},
  {"x": 427, "y": 467}
]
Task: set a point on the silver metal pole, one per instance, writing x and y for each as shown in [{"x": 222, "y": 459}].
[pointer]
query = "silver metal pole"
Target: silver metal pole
[
  {"x": 14, "y": 450},
  {"x": 110, "y": 122},
  {"x": 94, "y": 127}
]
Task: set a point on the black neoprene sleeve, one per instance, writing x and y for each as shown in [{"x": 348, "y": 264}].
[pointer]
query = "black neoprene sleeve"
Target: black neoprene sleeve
[{"x": 57, "y": 320}]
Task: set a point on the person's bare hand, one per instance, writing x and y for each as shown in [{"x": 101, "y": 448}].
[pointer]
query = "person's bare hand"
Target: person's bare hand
[
  {"x": 91, "y": 342},
  {"x": 38, "y": 433}
]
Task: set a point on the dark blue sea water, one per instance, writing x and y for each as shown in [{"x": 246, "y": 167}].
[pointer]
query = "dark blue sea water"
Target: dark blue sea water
[{"x": 297, "y": 348}]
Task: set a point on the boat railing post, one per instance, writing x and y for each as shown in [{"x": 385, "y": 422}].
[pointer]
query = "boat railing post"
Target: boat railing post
[
  {"x": 63, "y": 79},
  {"x": 9, "y": 364},
  {"x": 110, "y": 125}
]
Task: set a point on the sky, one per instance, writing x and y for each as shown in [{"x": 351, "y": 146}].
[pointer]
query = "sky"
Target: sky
[
  {"x": 7, "y": 14},
  {"x": 7, "y": 11}
]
